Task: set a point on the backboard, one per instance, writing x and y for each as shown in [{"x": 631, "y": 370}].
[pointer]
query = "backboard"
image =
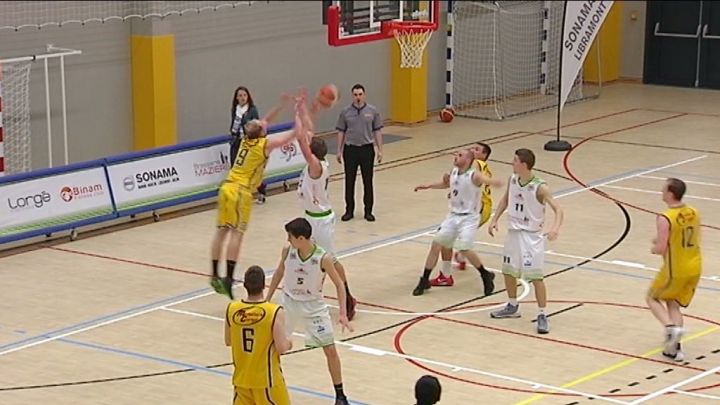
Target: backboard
[{"x": 353, "y": 22}]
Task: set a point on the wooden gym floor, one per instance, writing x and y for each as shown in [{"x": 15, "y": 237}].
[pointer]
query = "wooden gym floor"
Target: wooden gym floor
[{"x": 127, "y": 317}]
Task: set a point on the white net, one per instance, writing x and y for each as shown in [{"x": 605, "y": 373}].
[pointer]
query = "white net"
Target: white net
[
  {"x": 412, "y": 45},
  {"x": 506, "y": 58},
  {"x": 37, "y": 14},
  {"x": 15, "y": 116}
]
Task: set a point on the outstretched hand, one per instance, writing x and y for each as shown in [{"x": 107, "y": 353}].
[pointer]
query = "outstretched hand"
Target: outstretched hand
[{"x": 422, "y": 187}]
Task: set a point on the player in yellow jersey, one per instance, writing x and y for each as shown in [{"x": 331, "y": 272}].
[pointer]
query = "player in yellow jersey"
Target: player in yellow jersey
[
  {"x": 235, "y": 198},
  {"x": 255, "y": 330},
  {"x": 678, "y": 242},
  {"x": 482, "y": 152}
]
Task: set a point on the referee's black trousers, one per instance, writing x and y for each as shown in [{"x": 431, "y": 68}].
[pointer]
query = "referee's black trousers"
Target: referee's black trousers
[{"x": 363, "y": 157}]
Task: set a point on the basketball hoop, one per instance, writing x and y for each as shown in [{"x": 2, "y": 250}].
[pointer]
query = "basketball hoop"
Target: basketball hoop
[{"x": 413, "y": 37}]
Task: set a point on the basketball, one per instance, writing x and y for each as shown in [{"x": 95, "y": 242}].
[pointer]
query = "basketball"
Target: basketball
[
  {"x": 447, "y": 114},
  {"x": 327, "y": 96}
]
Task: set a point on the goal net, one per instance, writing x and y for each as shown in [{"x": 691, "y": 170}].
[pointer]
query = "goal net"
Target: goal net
[
  {"x": 14, "y": 118},
  {"x": 38, "y": 14},
  {"x": 506, "y": 58}
]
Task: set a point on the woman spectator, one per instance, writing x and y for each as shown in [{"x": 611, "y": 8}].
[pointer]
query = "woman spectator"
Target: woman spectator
[{"x": 243, "y": 110}]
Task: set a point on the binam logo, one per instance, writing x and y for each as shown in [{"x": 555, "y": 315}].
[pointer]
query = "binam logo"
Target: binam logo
[
  {"x": 29, "y": 201},
  {"x": 68, "y": 193}
]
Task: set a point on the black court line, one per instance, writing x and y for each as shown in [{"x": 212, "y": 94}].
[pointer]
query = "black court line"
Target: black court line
[
  {"x": 562, "y": 310},
  {"x": 623, "y": 235}
]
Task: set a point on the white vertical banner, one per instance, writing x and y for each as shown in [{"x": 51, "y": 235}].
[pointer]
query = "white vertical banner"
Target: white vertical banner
[{"x": 583, "y": 20}]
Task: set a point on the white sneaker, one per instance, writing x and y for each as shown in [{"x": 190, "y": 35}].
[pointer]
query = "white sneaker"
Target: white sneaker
[{"x": 672, "y": 338}]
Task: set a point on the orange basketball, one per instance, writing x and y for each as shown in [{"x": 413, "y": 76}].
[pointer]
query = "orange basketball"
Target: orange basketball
[
  {"x": 328, "y": 95},
  {"x": 447, "y": 114}
]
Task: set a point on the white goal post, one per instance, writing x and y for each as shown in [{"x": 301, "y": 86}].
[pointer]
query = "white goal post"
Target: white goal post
[{"x": 503, "y": 59}]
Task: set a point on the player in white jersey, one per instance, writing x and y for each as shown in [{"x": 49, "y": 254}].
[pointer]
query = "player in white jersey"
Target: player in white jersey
[
  {"x": 303, "y": 267},
  {"x": 459, "y": 227},
  {"x": 481, "y": 152},
  {"x": 314, "y": 196},
  {"x": 524, "y": 250}
]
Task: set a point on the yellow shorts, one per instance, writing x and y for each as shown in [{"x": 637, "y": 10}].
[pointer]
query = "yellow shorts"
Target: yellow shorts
[
  {"x": 234, "y": 205},
  {"x": 485, "y": 213},
  {"x": 276, "y": 395},
  {"x": 677, "y": 287}
]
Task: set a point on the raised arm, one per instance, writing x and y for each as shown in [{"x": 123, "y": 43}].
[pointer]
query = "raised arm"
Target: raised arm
[
  {"x": 283, "y": 139},
  {"x": 304, "y": 135},
  {"x": 285, "y": 100}
]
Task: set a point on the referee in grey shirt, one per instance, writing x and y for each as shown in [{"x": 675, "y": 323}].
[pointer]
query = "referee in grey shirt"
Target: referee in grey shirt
[{"x": 359, "y": 141}]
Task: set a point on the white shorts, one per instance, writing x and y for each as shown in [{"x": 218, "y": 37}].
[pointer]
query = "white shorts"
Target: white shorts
[
  {"x": 323, "y": 229},
  {"x": 458, "y": 231},
  {"x": 314, "y": 315},
  {"x": 524, "y": 255}
]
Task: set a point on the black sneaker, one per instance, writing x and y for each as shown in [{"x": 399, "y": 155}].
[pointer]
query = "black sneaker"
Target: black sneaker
[
  {"x": 347, "y": 216},
  {"x": 370, "y": 217},
  {"x": 228, "y": 284},
  {"x": 341, "y": 401},
  {"x": 421, "y": 287},
  {"x": 488, "y": 284}
]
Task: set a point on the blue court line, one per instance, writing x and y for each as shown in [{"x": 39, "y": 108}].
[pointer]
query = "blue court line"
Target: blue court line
[
  {"x": 115, "y": 350},
  {"x": 583, "y": 267},
  {"x": 681, "y": 175},
  {"x": 604, "y": 180},
  {"x": 95, "y": 321},
  {"x": 172, "y": 299}
]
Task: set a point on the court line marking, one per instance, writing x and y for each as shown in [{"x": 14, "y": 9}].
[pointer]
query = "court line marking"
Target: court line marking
[
  {"x": 642, "y": 190},
  {"x": 352, "y": 251},
  {"x": 699, "y": 183},
  {"x": 640, "y": 173},
  {"x": 453, "y": 367},
  {"x": 625, "y": 363},
  {"x": 676, "y": 385},
  {"x": 585, "y": 267},
  {"x": 143, "y": 356},
  {"x": 10, "y": 347},
  {"x": 193, "y": 295},
  {"x": 603, "y": 261},
  {"x": 691, "y": 175},
  {"x": 525, "y": 292},
  {"x": 695, "y": 394}
]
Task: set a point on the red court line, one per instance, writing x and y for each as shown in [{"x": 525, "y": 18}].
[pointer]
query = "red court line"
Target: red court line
[
  {"x": 179, "y": 270},
  {"x": 680, "y": 112},
  {"x": 399, "y": 335},
  {"x": 585, "y": 121},
  {"x": 121, "y": 260},
  {"x": 566, "y": 164},
  {"x": 380, "y": 306}
]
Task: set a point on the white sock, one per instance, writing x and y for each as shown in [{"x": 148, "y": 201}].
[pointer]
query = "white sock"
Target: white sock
[
  {"x": 459, "y": 257},
  {"x": 513, "y": 301},
  {"x": 541, "y": 311},
  {"x": 446, "y": 269}
]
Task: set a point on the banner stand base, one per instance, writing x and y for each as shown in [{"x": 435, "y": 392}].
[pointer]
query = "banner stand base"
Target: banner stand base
[{"x": 558, "y": 146}]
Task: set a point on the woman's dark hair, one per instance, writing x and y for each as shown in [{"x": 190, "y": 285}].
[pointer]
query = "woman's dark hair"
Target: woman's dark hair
[{"x": 235, "y": 102}]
